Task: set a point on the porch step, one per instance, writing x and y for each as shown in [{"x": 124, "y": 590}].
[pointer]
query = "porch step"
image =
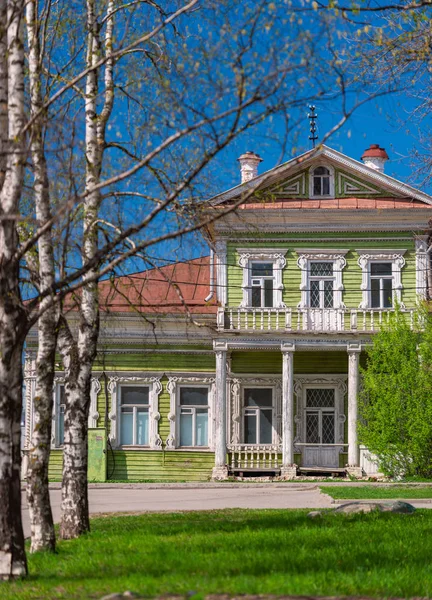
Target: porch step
[{"x": 321, "y": 469}]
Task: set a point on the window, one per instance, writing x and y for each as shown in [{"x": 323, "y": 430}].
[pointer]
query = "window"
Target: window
[
  {"x": 193, "y": 416},
  {"x": 321, "y": 282},
  {"x": 321, "y": 182},
  {"x": 262, "y": 277},
  {"x": 134, "y": 415},
  {"x": 258, "y": 415},
  {"x": 262, "y": 283},
  {"x": 381, "y": 282},
  {"x": 320, "y": 416}
]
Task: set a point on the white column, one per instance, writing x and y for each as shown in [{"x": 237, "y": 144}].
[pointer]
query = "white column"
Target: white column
[
  {"x": 220, "y": 470},
  {"x": 353, "y": 386},
  {"x": 288, "y": 470}
]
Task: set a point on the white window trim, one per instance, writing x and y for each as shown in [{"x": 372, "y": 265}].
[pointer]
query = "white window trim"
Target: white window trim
[
  {"x": 236, "y": 405},
  {"x": 174, "y": 384},
  {"x": 301, "y": 384},
  {"x": 422, "y": 261},
  {"x": 155, "y": 388},
  {"x": 331, "y": 177},
  {"x": 337, "y": 257},
  {"x": 395, "y": 257},
  {"x": 274, "y": 255}
]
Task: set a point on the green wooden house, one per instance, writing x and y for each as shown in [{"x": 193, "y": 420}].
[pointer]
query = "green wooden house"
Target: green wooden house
[{"x": 247, "y": 361}]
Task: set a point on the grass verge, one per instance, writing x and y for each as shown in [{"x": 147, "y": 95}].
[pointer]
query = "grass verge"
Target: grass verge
[
  {"x": 238, "y": 552},
  {"x": 369, "y": 492}
]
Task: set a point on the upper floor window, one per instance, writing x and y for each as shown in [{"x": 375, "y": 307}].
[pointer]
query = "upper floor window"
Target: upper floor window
[
  {"x": 134, "y": 415},
  {"x": 262, "y": 283},
  {"x": 381, "y": 284},
  {"x": 321, "y": 284},
  {"x": 321, "y": 278},
  {"x": 321, "y": 182},
  {"x": 194, "y": 408}
]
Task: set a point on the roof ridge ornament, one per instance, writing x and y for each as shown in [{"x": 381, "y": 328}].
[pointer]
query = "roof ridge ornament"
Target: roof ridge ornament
[{"x": 312, "y": 116}]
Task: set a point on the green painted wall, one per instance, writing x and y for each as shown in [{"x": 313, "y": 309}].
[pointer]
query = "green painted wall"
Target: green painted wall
[
  {"x": 55, "y": 466},
  {"x": 304, "y": 362},
  {"x": 173, "y": 465},
  {"x": 149, "y": 361},
  {"x": 352, "y": 274}
]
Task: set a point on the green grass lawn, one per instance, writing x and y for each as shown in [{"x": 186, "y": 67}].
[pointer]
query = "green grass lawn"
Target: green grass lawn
[
  {"x": 238, "y": 552},
  {"x": 369, "y": 492}
]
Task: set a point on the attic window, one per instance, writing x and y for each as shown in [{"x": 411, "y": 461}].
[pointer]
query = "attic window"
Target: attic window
[{"x": 321, "y": 182}]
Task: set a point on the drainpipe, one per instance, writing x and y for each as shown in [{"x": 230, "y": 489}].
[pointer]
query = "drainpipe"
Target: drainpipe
[{"x": 210, "y": 296}]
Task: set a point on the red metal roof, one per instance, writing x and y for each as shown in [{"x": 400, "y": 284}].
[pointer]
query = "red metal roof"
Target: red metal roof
[{"x": 176, "y": 288}]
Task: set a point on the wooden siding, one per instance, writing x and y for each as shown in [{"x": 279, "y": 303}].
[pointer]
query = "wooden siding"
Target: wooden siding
[
  {"x": 55, "y": 466},
  {"x": 261, "y": 362},
  {"x": 149, "y": 361},
  {"x": 173, "y": 465},
  {"x": 352, "y": 273}
]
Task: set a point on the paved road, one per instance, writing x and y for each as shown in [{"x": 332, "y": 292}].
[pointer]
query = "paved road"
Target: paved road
[
  {"x": 110, "y": 498},
  {"x": 147, "y": 498}
]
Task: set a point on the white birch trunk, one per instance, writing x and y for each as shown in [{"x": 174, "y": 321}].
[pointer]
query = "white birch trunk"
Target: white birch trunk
[
  {"x": 12, "y": 316},
  {"x": 75, "y": 519},
  {"x": 41, "y": 520}
]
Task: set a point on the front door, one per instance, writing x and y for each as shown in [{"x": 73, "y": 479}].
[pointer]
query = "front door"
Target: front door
[{"x": 320, "y": 426}]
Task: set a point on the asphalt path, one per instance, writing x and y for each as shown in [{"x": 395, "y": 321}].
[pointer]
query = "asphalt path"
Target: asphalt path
[{"x": 130, "y": 498}]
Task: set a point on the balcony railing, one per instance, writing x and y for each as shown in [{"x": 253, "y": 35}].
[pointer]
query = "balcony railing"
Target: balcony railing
[
  {"x": 318, "y": 320},
  {"x": 264, "y": 457}
]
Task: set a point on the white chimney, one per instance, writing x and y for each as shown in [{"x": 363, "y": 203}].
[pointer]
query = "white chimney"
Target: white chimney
[
  {"x": 249, "y": 162},
  {"x": 375, "y": 157}
]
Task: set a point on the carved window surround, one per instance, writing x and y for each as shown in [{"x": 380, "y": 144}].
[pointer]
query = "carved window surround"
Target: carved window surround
[
  {"x": 301, "y": 384},
  {"x": 236, "y": 405},
  {"x": 422, "y": 265},
  {"x": 155, "y": 388},
  {"x": 221, "y": 272},
  {"x": 331, "y": 181},
  {"x": 274, "y": 255},
  {"x": 366, "y": 257},
  {"x": 305, "y": 257},
  {"x": 173, "y": 386}
]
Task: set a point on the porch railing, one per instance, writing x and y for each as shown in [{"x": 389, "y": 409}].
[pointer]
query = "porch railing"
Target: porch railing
[
  {"x": 256, "y": 456},
  {"x": 306, "y": 319}
]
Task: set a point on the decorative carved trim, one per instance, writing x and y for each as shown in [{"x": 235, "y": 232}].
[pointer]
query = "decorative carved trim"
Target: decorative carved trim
[
  {"x": 304, "y": 260},
  {"x": 274, "y": 255},
  {"x": 338, "y": 382},
  {"x": 155, "y": 386},
  {"x": 221, "y": 271},
  {"x": 174, "y": 414},
  {"x": 235, "y": 403},
  {"x": 93, "y": 412},
  {"x": 30, "y": 386},
  {"x": 366, "y": 257},
  {"x": 422, "y": 265}
]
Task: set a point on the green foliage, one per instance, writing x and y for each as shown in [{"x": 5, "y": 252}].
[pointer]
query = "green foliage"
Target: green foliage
[
  {"x": 396, "y": 400},
  {"x": 234, "y": 552}
]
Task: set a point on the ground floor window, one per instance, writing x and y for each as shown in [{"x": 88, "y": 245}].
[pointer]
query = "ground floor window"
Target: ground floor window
[
  {"x": 134, "y": 415},
  {"x": 320, "y": 416},
  {"x": 258, "y": 415},
  {"x": 194, "y": 408}
]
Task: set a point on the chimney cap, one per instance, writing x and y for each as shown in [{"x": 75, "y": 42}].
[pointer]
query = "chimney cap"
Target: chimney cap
[
  {"x": 249, "y": 154},
  {"x": 374, "y": 151}
]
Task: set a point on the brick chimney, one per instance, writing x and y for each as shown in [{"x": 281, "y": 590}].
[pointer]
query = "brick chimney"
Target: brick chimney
[
  {"x": 249, "y": 162},
  {"x": 375, "y": 157}
]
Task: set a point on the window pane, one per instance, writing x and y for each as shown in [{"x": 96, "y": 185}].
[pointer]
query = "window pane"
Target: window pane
[
  {"x": 256, "y": 296},
  {"x": 201, "y": 434},
  {"x": 321, "y": 269},
  {"x": 186, "y": 430},
  {"x": 325, "y": 186},
  {"x": 381, "y": 269},
  {"x": 375, "y": 293},
  {"x": 262, "y": 269},
  {"x": 320, "y": 398},
  {"x": 258, "y": 397},
  {"x": 60, "y": 440},
  {"x": 142, "y": 433},
  {"x": 314, "y": 294},
  {"x": 328, "y": 428},
  {"x": 268, "y": 292},
  {"x": 250, "y": 429},
  {"x": 126, "y": 427},
  {"x": 317, "y": 186},
  {"x": 312, "y": 428},
  {"x": 192, "y": 396},
  {"x": 266, "y": 429},
  {"x": 134, "y": 395},
  {"x": 328, "y": 294},
  {"x": 387, "y": 292},
  {"x": 61, "y": 394},
  {"x": 321, "y": 171}
]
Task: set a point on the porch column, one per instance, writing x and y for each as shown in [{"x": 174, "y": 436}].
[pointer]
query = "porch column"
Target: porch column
[
  {"x": 289, "y": 469},
  {"x": 220, "y": 470},
  {"x": 353, "y": 467}
]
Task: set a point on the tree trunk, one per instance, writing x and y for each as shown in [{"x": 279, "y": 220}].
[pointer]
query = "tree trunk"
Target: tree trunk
[{"x": 41, "y": 520}]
